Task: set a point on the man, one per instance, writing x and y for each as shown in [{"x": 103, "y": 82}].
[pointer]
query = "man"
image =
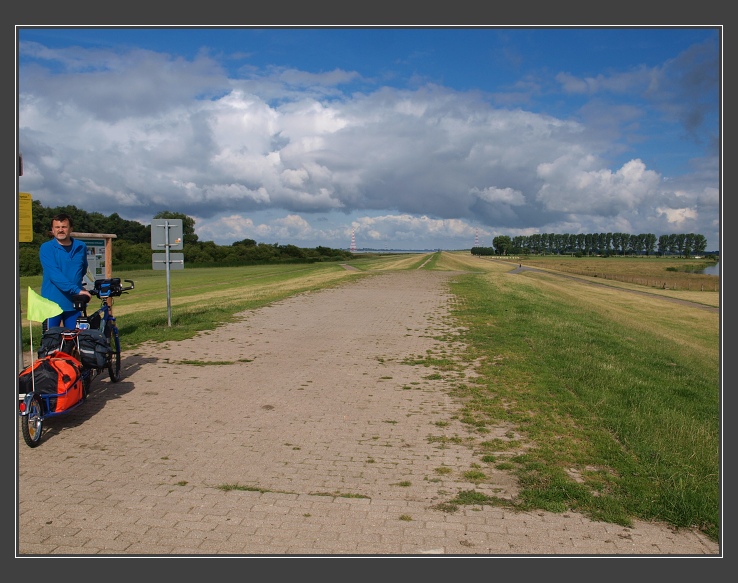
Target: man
[{"x": 64, "y": 262}]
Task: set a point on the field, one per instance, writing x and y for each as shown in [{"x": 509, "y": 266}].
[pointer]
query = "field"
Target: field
[
  {"x": 614, "y": 395},
  {"x": 672, "y": 273}
]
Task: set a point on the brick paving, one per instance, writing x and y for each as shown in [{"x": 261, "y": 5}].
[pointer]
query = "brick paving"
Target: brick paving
[{"x": 305, "y": 434}]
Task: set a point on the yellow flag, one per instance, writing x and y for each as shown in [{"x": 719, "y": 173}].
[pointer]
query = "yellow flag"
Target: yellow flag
[{"x": 40, "y": 308}]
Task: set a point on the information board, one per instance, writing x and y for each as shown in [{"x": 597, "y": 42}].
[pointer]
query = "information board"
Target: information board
[{"x": 95, "y": 260}]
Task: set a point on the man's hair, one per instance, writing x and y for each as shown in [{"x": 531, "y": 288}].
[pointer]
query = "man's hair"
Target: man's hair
[{"x": 61, "y": 217}]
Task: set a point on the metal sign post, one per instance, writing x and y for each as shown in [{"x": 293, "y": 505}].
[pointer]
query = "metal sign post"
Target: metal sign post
[{"x": 167, "y": 234}]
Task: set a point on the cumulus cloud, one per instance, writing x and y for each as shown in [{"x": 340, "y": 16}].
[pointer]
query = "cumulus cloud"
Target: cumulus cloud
[{"x": 573, "y": 186}]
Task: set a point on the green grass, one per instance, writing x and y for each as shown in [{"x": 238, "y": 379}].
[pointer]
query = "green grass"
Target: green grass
[{"x": 633, "y": 411}]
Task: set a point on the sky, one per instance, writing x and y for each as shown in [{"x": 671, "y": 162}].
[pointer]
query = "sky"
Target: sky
[{"x": 396, "y": 137}]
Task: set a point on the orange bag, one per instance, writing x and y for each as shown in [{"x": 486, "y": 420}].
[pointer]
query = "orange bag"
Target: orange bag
[{"x": 58, "y": 374}]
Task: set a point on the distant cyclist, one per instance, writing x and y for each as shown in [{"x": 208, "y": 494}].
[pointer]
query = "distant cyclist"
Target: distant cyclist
[{"x": 64, "y": 263}]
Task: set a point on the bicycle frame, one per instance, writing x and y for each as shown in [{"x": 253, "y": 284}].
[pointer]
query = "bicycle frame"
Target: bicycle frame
[{"x": 103, "y": 319}]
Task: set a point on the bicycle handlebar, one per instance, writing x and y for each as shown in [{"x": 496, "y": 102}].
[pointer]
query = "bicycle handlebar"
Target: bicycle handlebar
[
  {"x": 113, "y": 290},
  {"x": 105, "y": 288}
]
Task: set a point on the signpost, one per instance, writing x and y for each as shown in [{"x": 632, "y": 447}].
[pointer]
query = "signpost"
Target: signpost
[{"x": 167, "y": 235}]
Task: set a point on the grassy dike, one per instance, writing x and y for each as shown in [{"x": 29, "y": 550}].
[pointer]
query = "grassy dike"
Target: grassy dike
[
  {"x": 617, "y": 397},
  {"x": 614, "y": 396}
]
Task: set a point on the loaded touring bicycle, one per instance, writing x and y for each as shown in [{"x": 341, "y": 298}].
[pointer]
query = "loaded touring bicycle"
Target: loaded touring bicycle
[{"x": 68, "y": 361}]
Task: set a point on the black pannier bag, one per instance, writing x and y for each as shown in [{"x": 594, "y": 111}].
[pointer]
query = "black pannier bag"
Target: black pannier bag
[
  {"x": 52, "y": 340},
  {"x": 93, "y": 348}
]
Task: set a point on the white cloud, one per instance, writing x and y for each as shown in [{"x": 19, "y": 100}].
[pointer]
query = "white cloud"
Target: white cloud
[
  {"x": 571, "y": 186},
  {"x": 501, "y": 195},
  {"x": 678, "y": 217}
]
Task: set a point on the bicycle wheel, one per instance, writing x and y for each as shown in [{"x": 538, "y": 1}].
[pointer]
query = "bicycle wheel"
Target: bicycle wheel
[
  {"x": 86, "y": 382},
  {"x": 114, "y": 366},
  {"x": 32, "y": 424},
  {"x": 111, "y": 332}
]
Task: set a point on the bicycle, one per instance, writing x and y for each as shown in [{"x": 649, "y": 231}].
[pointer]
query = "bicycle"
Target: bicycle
[
  {"x": 35, "y": 408},
  {"x": 104, "y": 320}
]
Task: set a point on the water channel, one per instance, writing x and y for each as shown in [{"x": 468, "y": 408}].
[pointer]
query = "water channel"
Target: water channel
[{"x": 711, "y": 269}]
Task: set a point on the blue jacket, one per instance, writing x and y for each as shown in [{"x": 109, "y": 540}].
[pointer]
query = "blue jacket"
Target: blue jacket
[{"x": 63, "y": 271}]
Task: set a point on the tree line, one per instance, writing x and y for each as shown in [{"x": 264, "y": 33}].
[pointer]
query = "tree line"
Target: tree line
[
  {"x": 603, "y": 244},
  {"x": 132, "y": 245}
]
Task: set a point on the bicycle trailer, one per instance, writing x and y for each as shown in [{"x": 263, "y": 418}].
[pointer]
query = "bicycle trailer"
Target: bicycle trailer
[{"x": 56, "y": 378}]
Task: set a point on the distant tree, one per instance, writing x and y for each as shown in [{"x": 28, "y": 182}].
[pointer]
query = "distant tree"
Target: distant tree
[
  {"x": 482, "y": 251},
  {"x": 649, "y": 243},
  {"x": 534, "y": 243},
  {"x": 637, "y": 244},
  {"x": 132, "y": 231},
  {"x": 291, "y": 251},
  {"x": 126, "y": 252},
  {"x": 688, "y": 244},
  {"x": 700, "y": 244},
  {"x": 608, "y": 243},
  {"x": 502, "y": 244},
  {"x": 579, "y": 238},
  {"x": 244, "y": 243},
  {"x": 679, "y": 241},
  {"x": 549, "y": 241},
  {"x": 28, "y": 261},
  {"x": 588, "y": 243},
  {"x": 265, "y": 252},
  {"x": 518, "y": 243},
  {"x": 672, "y": 244}
]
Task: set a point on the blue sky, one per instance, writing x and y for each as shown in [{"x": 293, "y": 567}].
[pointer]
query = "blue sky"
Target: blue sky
[{"x": 409, "y": 137}]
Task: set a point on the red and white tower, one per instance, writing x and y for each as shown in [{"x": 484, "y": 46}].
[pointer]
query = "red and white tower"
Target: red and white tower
[{"x": 353, "y": 242}]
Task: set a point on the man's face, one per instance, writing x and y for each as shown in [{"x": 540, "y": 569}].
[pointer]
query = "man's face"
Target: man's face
[{"x": 61, "y": 231}]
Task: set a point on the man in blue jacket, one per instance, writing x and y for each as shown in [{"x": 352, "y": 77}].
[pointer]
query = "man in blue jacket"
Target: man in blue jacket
[{"x": 64, "y": 261}]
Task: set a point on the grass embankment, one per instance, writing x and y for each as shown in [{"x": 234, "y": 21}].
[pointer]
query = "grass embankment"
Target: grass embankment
[{"x": 616, "y": 395}]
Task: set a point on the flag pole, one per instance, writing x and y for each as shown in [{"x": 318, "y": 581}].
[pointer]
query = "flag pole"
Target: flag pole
[
  {"x": 20, "y": 338},
  {"x": 30, "y": 339}
]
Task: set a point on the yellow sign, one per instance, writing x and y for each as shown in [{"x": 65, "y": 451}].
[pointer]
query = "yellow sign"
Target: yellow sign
[{"x": 25, "y": 218}]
